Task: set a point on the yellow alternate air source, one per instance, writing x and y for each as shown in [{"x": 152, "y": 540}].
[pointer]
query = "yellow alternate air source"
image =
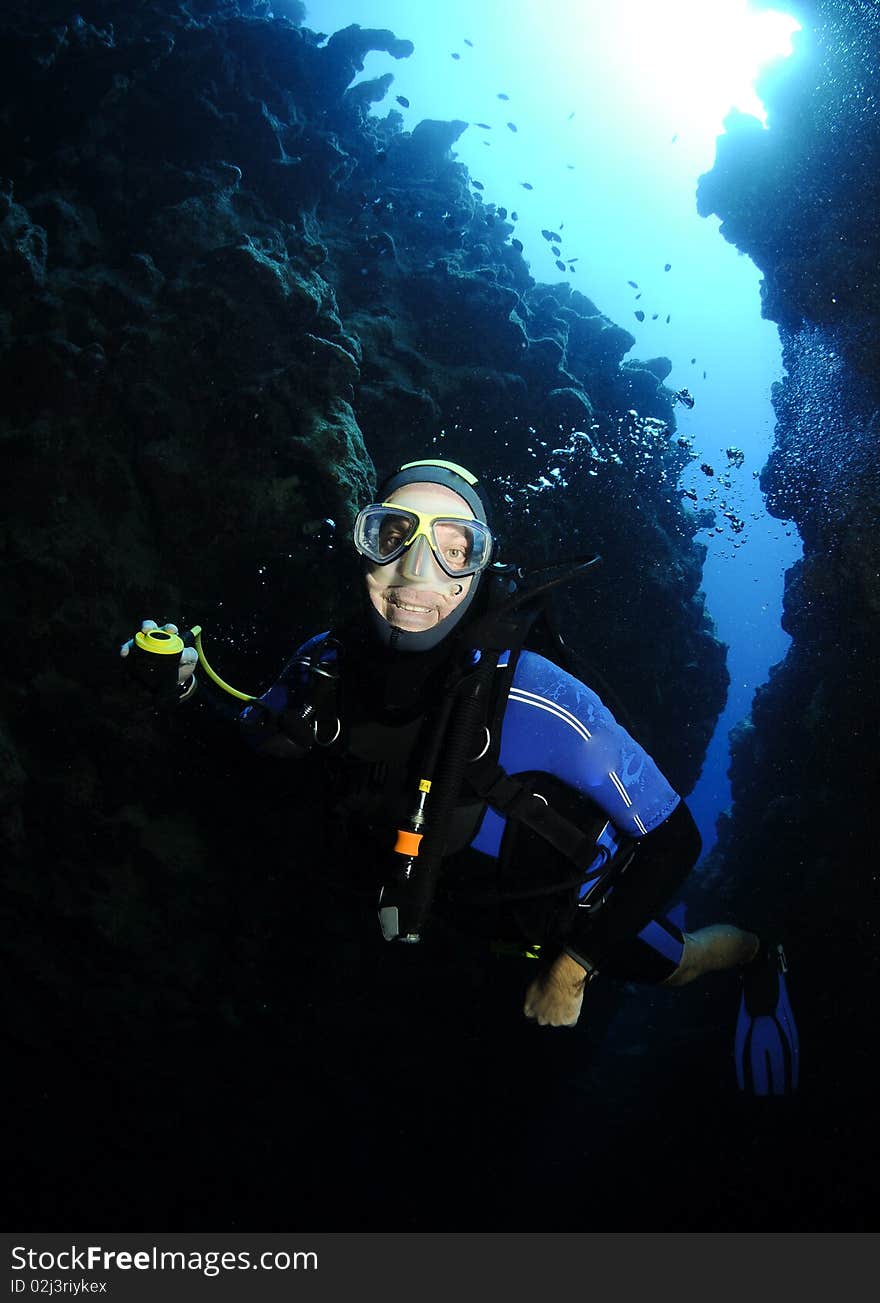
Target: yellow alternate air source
[
  {"x": 159, "y": 642},
  {"x": 164, "y": 643}
]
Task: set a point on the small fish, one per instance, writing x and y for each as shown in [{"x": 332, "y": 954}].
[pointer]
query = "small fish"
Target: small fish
[
  {"x": 640, "y": 316},
  {"x": 570, "y": 166},
  {"x": 502, "y": 213},
  {"x": 706, "y": 469},
  {"x": 570, "y": 116},
  {"x": 502, "y": 96},
  {"x": 571, "y": 260},
  {"x": 555, "y": 250},
  {"x": 548, "y": 235},
  {"x": 693, "y": 360},
  {"x": 517, "y": 244},
  {"x": 634, "y": 284},
  {"x": 456, "y": 56},
  {"x": 478, "y": 185},
  {"x": 527, "y": 185},
  {"x": 689, "y": 493},
  {"x": 483, "y": 125},
  {"x": 668, "y": 267},
  {"x": 668, "y": 319},
  {"x": 654, "y": 316},
  {"x": 674, "y": 138},
  {"x": 467, "y": 42},
  {"x": 560, "y": 265},
  {"x": 512, "y": 126},
  {"x": 403, "y": 101},
  {"x": 638, "y": 296},
  {"x": 514, "y": 217}
]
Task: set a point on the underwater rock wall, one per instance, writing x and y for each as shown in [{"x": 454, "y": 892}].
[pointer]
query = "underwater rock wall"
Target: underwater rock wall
[
  {"x": 801, "y": 198},
  {"x": 230, "y": 295}
]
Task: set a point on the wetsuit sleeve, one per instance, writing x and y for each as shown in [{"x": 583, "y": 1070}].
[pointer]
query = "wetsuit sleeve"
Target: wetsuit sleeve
[
  {"x": 267, "y": 724},
  {"x": 555, "y": 722},
  {"x": 660, "y": 863}
]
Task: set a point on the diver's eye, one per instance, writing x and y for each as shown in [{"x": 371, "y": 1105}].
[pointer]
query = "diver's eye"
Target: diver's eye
[
  {"x": 392, "y": 535},
  {"x": 454, "y": 546}
]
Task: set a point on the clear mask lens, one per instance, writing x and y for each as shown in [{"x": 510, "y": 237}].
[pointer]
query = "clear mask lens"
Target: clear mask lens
[{"x": 461, "y": 547}]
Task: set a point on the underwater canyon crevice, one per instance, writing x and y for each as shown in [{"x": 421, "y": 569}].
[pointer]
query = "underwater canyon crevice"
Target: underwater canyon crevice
[{"x": 800, "y": 198}]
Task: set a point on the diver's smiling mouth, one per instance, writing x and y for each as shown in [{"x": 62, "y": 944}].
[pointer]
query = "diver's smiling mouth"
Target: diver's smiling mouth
[
  {"x": 409, "y": 609},
  {"x": 408, "y": 604}
]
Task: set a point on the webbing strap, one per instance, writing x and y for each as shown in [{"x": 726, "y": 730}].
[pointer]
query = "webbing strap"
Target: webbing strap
[{"x": 514, "y": 800}]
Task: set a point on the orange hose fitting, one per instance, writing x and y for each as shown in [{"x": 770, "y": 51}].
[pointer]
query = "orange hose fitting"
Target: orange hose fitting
[{"x": 407, "y": 842}]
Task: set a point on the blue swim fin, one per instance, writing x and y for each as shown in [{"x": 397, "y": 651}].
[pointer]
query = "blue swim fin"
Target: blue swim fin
[{"x": 766, "y": 1049}]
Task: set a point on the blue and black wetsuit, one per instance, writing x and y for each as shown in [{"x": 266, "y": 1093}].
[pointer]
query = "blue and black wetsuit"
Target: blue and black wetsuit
[
  {"x": 557, "y": 732},
  {"x": 556, "y": 725}
]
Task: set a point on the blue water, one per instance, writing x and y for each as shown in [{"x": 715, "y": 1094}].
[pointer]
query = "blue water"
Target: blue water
[{"x": 612, "y": 134}]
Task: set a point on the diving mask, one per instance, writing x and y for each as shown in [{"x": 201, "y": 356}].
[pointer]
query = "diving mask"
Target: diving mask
[{"x": 383, "y": 531}]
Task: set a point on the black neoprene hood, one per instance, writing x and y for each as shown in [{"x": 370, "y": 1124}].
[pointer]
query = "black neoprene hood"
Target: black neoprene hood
[
  {"x": 453, "y": 477},
  {"x": 464, "y": 483}
]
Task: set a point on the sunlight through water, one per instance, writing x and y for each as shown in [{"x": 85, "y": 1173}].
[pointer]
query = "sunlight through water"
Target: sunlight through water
[{"x": 595, "y": 120}]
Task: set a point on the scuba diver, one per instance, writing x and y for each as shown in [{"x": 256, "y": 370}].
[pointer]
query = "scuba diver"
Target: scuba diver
[{"x": 485, "y": 784}]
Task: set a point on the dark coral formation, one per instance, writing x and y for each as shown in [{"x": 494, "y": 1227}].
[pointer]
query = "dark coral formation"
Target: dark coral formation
[
  {"x": 801, "y": 198},
  {"x": 228, "y": 296}
]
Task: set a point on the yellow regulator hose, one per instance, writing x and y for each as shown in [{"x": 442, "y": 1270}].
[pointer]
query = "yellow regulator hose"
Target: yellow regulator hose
[{"x": 196, "y": 632}]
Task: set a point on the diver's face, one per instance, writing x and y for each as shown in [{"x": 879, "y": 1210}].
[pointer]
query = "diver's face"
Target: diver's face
[{"x": 414, "y": 592}]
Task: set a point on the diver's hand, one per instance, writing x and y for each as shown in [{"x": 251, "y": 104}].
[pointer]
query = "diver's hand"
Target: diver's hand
[
  {"x": 189, "y": 657},
  {"x": 554, "y": 999}
]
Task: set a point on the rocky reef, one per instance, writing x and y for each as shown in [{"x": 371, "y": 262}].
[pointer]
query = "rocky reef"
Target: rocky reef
[
  {"x": 231, "y": 294},
  {"x": 801, "y": 198}
]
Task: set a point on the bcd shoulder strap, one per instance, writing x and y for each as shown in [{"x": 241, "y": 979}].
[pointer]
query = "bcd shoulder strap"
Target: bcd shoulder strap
[
  {"x": 518, "y": 798},
  {"x": 515, "y": 799}
]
